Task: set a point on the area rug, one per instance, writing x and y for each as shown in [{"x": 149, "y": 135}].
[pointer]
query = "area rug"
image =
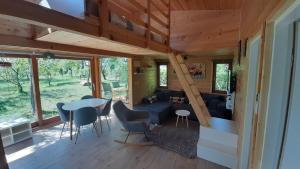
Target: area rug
[{"x": 180, "y": 139}]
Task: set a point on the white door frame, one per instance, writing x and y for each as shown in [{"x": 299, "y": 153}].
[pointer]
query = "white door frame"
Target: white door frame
[
  {"x": 253, "y": 54},
  {"x": 279, "y": 86}
]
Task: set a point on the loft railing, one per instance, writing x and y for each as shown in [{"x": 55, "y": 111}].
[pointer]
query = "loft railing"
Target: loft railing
[{"x": 148, "y": 26}]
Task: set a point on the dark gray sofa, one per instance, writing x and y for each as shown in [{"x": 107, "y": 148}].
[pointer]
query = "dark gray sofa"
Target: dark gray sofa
[{"x": 162, "y": 109}]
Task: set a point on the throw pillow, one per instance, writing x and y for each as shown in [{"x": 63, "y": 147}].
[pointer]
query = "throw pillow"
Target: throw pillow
[{"x": 177, "y": 100}]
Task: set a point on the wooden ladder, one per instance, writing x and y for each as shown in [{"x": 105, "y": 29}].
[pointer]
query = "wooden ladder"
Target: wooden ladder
[{"x": 190, "y": 89}]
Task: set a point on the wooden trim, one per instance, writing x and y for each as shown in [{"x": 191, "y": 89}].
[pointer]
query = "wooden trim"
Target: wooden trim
[
  {"x": 165, "y": 3},
  {"x": 30, "y": 13},
  {"x": 225, "y": 61},
  {"x": 36, "y": 90},
  {"x": 93, "y": 76},
  {"x": 18, "y": 43},
  {"x": 3, "y": 161}
]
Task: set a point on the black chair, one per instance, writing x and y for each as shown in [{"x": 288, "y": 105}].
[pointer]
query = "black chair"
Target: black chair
[
  {"x": 64, "y": 116},
  {"x": 87, "y": 97},
  {"x": 108, "y": 93},
  {"x": 134, "y": 122},
  {"x": 104, "y": 112},
  {"x": 85, "y": 116}
]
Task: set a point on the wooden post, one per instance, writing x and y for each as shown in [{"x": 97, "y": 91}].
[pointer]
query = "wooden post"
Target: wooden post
[
  {"x": 95, "y": 76},
  {"x": 148, "y": 32},
  {"x": 36, "y": 90},
  {"x": 130, "y": 81},
  {"x": 103, "y": 18},
  {"x": 169, "y": 26},
  {"x": 3, "y": 162}
]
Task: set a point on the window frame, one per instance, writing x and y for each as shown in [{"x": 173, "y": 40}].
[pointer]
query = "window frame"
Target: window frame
[
  {"x": 158, "y": 74},
  {"x": 215, "y": 62}
]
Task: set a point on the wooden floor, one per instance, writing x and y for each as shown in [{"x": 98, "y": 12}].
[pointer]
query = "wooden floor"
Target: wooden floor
[{"x": 47, "y": 151}]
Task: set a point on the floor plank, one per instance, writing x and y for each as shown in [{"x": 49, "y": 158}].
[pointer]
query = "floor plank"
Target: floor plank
[{"x": 46, "y": 151}]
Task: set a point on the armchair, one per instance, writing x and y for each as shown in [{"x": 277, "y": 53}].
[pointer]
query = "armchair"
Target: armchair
[{"x": 134, "y": 122}]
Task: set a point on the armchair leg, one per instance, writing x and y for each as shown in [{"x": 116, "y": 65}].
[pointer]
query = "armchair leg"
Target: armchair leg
[
  {"x": 127, "y": 137},
  {"x": 107, "y": 122},
  {"x": 62, "y": 130}
]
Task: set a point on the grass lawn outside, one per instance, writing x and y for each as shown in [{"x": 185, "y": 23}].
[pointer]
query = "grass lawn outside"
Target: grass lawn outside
[{"x": 15, "y": 105}]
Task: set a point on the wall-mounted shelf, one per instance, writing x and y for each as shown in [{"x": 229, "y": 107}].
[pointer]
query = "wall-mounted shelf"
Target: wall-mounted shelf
[{"x": 15, "y": 131}]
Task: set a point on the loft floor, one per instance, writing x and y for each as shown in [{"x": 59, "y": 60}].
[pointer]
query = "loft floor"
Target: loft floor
[{"x": 47, "y": 151}]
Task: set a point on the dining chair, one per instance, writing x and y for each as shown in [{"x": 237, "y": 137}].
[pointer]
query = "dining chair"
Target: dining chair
[
  {"x": 104, "y": 112},
  {"x": 64, "y": 116},
  {"x": 87, "y": 97},
  {"x": 85, "y": 116}
]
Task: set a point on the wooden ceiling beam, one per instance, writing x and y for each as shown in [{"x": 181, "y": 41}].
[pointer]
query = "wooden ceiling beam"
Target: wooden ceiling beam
[
  {"x": 26, "y": 12},
  {"x": 18, "y": 43}
]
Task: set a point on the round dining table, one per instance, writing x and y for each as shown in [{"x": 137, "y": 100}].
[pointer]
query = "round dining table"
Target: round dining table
[{"x": 75, "y": 105}]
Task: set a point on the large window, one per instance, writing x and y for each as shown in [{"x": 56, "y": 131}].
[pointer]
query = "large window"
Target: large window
[
  {"x": 16, "y": 91},
  {"x": 163, "y": 75},
  {"x": 221, "y": 80},
  {"x": 62, "y": 80},
  {"x": 114, "y": 78}
]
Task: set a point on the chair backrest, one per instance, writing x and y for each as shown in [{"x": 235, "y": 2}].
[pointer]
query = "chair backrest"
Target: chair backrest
[
  {"x": 84, "y": 116},
  {"x": 121, "y": 111},
  {"x": 115, "y": 84},
  {"x": 107, "y": 108},
  {"x": 63, "y": 114},
  {"x": 106, "y": 87},
  {"x": 87, "y": 97}
]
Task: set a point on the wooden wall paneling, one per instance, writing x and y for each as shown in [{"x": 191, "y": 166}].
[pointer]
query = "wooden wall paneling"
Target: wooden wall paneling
[
  {"x": 3, "y": 162},
  {"x": 36, "y": 90}
]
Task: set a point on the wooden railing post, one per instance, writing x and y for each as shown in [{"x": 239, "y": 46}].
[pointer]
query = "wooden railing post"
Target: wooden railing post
[
  {"x": 148, "y": 31},
  {"x": 3, "y": 162},
  {"x": 169, "y": 25},
  {"x": 103, "y": 18},
  {"x": 36, "y": 90}
]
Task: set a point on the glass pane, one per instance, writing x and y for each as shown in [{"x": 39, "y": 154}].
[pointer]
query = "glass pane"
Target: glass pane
[
  {"x": 222, "y": 77},
  {"x": 62, "y": 80},
  {"x": 163, "y": 75},
  {"x": 16, "y": 95},
  {"x": 114, "y": 78}
]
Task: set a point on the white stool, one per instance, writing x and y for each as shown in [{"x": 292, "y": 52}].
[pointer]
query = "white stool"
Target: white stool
[{"x": 182, "y": 114}]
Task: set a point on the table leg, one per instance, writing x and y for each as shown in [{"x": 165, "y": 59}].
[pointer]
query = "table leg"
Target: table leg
[
  {"x": 177, "y": 120},
  {"x": 71, "y": 125},
  {"x": 187, "y": 122}
]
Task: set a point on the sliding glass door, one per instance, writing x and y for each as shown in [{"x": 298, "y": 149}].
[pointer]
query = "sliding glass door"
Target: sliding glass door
[
  {"x": 62, "y": 80},
  {"x": 16, "y": 90},
  {"x": 114, "y": 78}
]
